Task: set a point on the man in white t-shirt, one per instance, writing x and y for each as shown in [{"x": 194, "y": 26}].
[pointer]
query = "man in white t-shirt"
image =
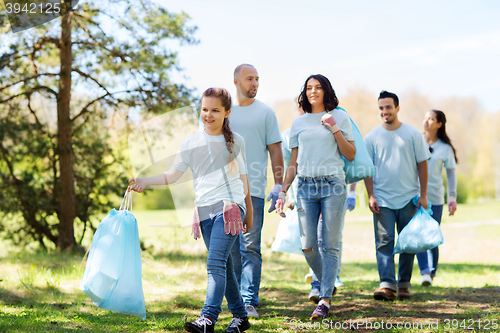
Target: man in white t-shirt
[
  {"x": 258, "y": 125},
  {"x": 400, "y": 156}
]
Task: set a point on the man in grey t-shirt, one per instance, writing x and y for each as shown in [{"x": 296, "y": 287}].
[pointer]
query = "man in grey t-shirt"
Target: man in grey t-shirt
[
  {"x": 400, "y": 156},
  {"x": 258, "y": 125}
]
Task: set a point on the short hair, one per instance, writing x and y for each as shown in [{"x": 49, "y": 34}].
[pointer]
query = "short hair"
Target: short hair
[
  {"x": 237, "y": 70},
  {"x": 386, "y": 94},
  {"x": 330, "y": 99}
]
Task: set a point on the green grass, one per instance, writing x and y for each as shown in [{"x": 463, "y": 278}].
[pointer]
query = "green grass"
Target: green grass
[{"x": 39, "y": 292}]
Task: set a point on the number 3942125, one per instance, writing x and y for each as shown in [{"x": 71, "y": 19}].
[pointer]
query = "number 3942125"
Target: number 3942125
[{"x": 33, "y": 8}]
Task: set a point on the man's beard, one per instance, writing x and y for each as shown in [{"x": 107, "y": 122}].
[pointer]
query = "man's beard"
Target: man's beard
[{"x": 251, "y": 94}]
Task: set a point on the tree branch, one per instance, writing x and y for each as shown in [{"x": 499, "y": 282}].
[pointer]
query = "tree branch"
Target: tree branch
[
  {"x": 27, "y": 79},
  {"x": 50, "y": 90}
]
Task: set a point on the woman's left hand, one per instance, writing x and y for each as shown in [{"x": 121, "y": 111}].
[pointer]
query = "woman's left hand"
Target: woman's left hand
[
  {"x": 452, "y": 207},
  {"x": 330, "y": 122}
]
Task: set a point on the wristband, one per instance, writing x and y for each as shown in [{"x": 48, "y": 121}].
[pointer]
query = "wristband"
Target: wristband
[{"x": 335, "y": 129}]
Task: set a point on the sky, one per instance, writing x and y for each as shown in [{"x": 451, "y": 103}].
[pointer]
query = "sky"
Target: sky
[{"x": 438, "y": 48}]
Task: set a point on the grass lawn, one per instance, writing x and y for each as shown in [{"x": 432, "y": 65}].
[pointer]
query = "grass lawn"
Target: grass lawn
[{"x": 39, "y": 292}]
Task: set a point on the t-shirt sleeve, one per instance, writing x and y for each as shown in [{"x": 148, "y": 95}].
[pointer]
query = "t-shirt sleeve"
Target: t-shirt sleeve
[
  {"x": 369, "y": 147},
  {"x": 239, "y": 150},
  {"x": 273, "y": 134},
  {"x": 294, "y": 137},
  {"x": 285, "y": 147},
  {"x": 346, "y": 128},
  {"x": 449, "y": 161},
  {"x": 420, "y": 148},
  {"x": 181, "y": 160}
]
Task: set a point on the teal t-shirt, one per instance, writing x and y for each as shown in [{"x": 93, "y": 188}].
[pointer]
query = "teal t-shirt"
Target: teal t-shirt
[
  {"x": 441, "y": 157},
  {"x": 258, "y": 125},
  {"x": 395, "y": 155},
  {"x": 318, "y": 153}
]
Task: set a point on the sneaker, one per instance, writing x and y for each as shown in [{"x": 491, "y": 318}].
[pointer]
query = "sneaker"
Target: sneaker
[
  {"x": 203, "y": 324},
  {"x": 384, "y": 294},
  {"x": 321, "y": 310},
  {"x": 251, "y": 311},
  {"x": 308, "y": 277},
  {"x": 426, "y": 280},
  {"x": 404, "y": 293},
  {"x": 314, "y": 295},
  {"x": 238, "y": 325},
  {"x": 338, "y": 283}
]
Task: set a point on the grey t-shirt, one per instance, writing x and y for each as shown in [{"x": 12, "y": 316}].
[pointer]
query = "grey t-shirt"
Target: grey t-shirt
[
  {"x": 395, "y": 155},
  {"x": 258, "y": 125},
  {"x": 441, "y": 156}
]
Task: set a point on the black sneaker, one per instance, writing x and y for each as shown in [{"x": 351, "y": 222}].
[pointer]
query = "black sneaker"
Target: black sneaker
[
  {"x": 238, "y": 325},
  {"x": 203, "y": 324}
]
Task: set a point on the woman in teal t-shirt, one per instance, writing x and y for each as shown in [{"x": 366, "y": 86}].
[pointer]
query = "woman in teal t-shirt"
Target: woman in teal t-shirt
[
  {"x": 318, "y": 140},
  {"x": 443, "y": 155}
]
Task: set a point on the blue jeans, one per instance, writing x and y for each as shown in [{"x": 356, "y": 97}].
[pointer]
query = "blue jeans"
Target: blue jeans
[
  {"x": 315, "y": 284},
  {"x": 327, "y": 196},
  {"x": 221, "y": 278},
  {"x": 431, "y": 255},
  {"x": 384, "y": 224},
  {"x": 248, "y": 258}
]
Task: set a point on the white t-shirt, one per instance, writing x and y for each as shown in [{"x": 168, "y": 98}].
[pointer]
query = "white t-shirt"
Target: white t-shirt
[
  {"x": 318, "y": 153},
  {"x": 258, "y": 125},
  {"x": 441, "y": 156},
  {"x": 395, "y": 155},
  {"x": 208, "y": 158}
]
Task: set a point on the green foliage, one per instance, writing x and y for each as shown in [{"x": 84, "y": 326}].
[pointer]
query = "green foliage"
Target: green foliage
[
  {"x": 121, "y": 63},
  {"x": 154, "y": 200}
]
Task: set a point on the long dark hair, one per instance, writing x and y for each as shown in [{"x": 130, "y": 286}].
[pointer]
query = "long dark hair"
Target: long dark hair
[
  {"x": 330, "y": 99},
  {"x": 225, "y": 98},
  {"x": 441, "y": 133}
]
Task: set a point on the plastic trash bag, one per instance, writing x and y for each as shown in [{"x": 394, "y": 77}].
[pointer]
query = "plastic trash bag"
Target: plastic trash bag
[
  {"x": 362, "y": 166},
  {"x": 422, "y": 233},
  {"x": 113, "y": 274},
  {"x": 288, "y": 234}
]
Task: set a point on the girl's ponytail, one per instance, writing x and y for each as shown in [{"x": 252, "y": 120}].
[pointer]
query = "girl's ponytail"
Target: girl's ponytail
[
  {"x": 229, "y": 137},
  {"x": 441, "y": 118}
]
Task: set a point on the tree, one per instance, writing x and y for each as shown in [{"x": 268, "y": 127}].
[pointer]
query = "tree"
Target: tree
[{"x": 116, "y": 52}]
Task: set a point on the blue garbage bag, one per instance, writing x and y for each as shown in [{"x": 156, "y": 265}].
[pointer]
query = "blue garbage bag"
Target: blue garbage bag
[
  {"x": 113, "y": 274},
  {"x": 362, "y": 166},
  {"x": 422, "y": 233},
  {"x": 288, "y": 234}
]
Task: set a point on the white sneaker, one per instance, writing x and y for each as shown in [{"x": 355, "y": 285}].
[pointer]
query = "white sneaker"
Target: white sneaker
[
  {"x": 251, "y": 312},
  {"x": 426, "y": 280},
  {"x": 338, "y": 283}
]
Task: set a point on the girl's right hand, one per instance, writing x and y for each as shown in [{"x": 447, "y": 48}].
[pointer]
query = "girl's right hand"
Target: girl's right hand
[{"x": 136, "y": 184}]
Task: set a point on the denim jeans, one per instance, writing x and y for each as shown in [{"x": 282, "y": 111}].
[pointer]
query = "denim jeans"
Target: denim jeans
[
  {"x": 315, "y": 284},
  {"x": 384, "y": 224},
  {"x": 247, "y": 256},
  {"x": 327, "y": 196},
  {"x": 221, "y": 278},
  {"x": 431, "y": 255}
]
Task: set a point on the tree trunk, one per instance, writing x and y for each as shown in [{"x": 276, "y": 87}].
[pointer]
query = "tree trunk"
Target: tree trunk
[{"x": 66, "y": 239}]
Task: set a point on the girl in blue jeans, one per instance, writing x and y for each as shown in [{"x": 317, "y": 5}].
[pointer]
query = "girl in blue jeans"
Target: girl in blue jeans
[
  {"x": 318, "y": 140},
  {"x": 443, "y": 155},
  {"x": 223, "y": 206}
]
